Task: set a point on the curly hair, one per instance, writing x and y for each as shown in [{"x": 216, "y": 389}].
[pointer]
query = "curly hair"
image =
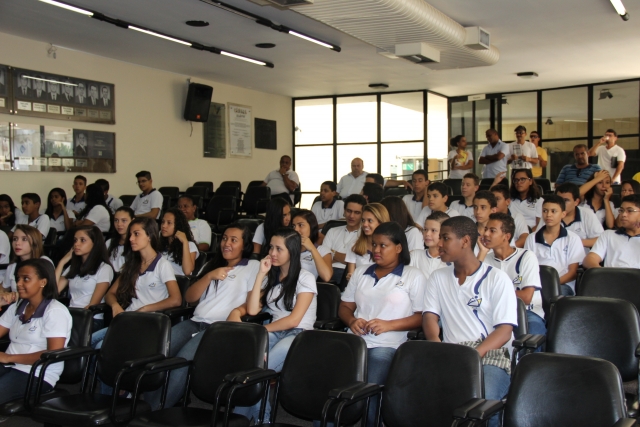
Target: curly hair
[{"x": 171, "y": 245}]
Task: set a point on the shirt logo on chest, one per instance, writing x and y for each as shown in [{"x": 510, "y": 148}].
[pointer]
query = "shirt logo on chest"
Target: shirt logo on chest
[
  {"x": 152, "y": 285},
  {"x": 475, "y": 302},
  {"x": 33, "y": 328},
  {"x": 308, "y": 258},
  {"x": 145, "y": 202},
  {"x": 400, "y": 284},
  {"x": 517, "y": 280}
]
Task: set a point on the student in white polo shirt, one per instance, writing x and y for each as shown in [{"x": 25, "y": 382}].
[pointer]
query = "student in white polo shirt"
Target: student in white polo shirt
[
  {"x": 60, "y": 217},
  {"x": 176, "y": 242},
  {"x": 619, "y": 248},
  {"x": 116, "y": 245},
  {"x": 383, "y": 301},
  {"x": 476, "y": 304},
  {"x": 31, "y": 214},
  {"x": 328, "y": 207},
  {"x": 90, "y": 274},
  {"x": 398, "y": 212},
  {"x": 580, "y": 220},
  {"x": 278, "y": 215},
  {"x": 77, "y": 202},
  {"x": 373, "y": 214},
  {"x": 36, "y": 324},
  {"x": 147, "y": 204},
  {"x": 469, "y": 186},
  {"x": 428, "y": 260},
  {"x": 520, "y": 265},
  {"x": 416, "y": 201},
  {"x": 96, "y": 211},
  {"x": 503, "y": 201},
  {"x": 437, "y": 196},
  {"x": 596, "y": 193},
  {"x": 525, "y": 197},
  {"x": 199, "y": 228},
  {"x": 5, "y": 248},
  {"x": 556, "y": 246},
  {"x": 113, "y": 203},
  {"x": 316, "y": 259}
]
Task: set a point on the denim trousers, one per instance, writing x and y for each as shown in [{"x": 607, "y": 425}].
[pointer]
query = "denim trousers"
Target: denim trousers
[
  {"x": 13, "y": 384},
  {"x": 496, "y": 386}
]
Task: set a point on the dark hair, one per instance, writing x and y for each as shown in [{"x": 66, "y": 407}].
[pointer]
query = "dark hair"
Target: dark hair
[
  {"x": 332, "y": 185},
  {"x": 115, "y": 237},
  {"x": 555, "y": 199},
  {"x": 172, "y": 246},
  {"x": 580, "y": 146},
  {"x": 420, "y": 172},
  {"x": 355, "y": 198},
  {"x": 373, "y": 191},
  {"x": 539, "y": 139},
  {"x": 632, "y": 198},
  {"x": 502, "y": 189},
  {"x": 103, "y": 183},
  {"x": 62, "y": 193},
  {"x": 82, "y": 178},
  {"x": 455, "y": 140},
  {"x": 292, "y": 241},
  {"x": 488, "y": 196},
  {"x": 130, "y": 271},
  {"x": 569, "y": 187},
  {"x": 273, "y": 219},
  {"x": 11, "y": 221},
  {"x": 377, "y": 178},
  {"x": 521, "y": 128},
  {"x": 473, "y": 176},
  {"x": 97, "y": 256},
  {"x": 438, "y": 216},
  {"x": 94, "y": 197},
  {"x": 534, "y": 192},
  {"x": 35, "y": 241},
  {"x": 44, "y": 270},
  {"x": 311, "y": 219},
  {"x": 612, "y": 131},
  {"x": 589, "y": 194},
  {"x": 219, "y": 261},
  {"x": 508, "y": 224},
  {"x": 144, "y": 174},
  {"x": 31, "y": 196},
  {"x": 635, "y": 185},
  {"x": 394, "y": 232},
  {"x": 285, "y": 156},
  {"x": 463, "y": 226},
  {"x": 440, "y": 187},
  {"x": 398, "y": 211}
]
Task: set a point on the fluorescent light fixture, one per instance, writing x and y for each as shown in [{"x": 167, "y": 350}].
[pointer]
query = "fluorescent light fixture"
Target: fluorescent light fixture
[
  {"x": 243, "y": 58},
  {"x": 50, "y": 81},
  {"x": 68, "y": 7},
  {"x": 310, "y": 39},
  {"x": 162, "y": 36},
  {"x": 619, "y": 7}
]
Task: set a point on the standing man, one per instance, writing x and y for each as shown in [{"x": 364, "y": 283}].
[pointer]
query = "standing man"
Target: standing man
[
  {"x": 494, "y": 155},
  {"x": 523, "y": 154},
  {"x": 283, "y": 181},
  {"x": 611, "y": 157},
  {"x": 353, "y": 182},
  {"x": 580, "y": 171},
  {"x": 538, "y": 170}
]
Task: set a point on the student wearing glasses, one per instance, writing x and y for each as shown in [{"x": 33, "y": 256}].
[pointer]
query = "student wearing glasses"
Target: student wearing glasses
[{"x": 525, "y": 197}]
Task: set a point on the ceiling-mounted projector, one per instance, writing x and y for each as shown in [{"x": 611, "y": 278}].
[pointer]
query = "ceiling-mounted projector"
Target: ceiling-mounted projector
[{"x": 418, "y": 53}]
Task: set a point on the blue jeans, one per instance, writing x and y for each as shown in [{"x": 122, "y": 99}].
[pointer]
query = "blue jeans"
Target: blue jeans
[
  {"x": 337, "y": 275},
  {"x": 566, "y": 291},
  {"x": 279, "y": 343},
  {"x": 536, "y": 323},
  {"x": 496, "y": 386},
  {"x": 13, "y": 384},
  {"x": 378, "y": 363}
]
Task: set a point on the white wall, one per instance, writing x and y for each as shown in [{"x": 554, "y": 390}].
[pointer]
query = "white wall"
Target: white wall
[{"x": 150, "y": 131}]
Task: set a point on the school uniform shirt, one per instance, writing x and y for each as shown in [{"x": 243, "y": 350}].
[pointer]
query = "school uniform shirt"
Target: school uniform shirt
[
  {"x": 339, "y": 239},
  {"x": 524, "y": 272},
  {"x": 414, "y": 206},
  {"x": 565, "y": 250},
  {"x": 397, "y": 295},
  {"x": 520, "y": 223},
  {"x": 201, "y": 231},
  {"x": 349, "y": 185},
  {"x": 462, "y": 209},
  {"x": 473, "y": 310},
  {"x": 426, "y": 211},
  {"x": 335, "y": 210},
  {"x": 5, "y": 248},
  {"x": 414, "y": 238},
  {"x": 526, "y": 149},
  {"x": 177, "y": 268},
  {"x": 113, "y": 203},
  {"x": 529, "y": 210},
  {"x": 306, "y": 283},
  {"x": 58, "y": 223},
  {"x": 461, "y": 161},
  {"x": 307, "y": 262},
  {"x": 42, "y": 223},
  {"x": 601, "y": 213},
  {"x": 359, "y": 260},
  {"x": 608, "y": 159},
  {"x": 10, "y": 275},
  {"x": 222, "y": 296},
  {"x": 423, "y": 261},
  {"x": 151, "y": 286},
  {"x": 50, "y": 320},
  {"x": 78, "y": 206},
  {"x": 81, "y": 288},
  {"x": 618, "y": 249},
  {"x": 258, "y": 236},
  {"x": 117, "y": 260},
  {"x": 493, "y": 169},
  {"x": 143, "y": 203},
  {"x": 100, "y": 217},
  {"x": 585, "y": 224},
  {"x": 276, "y": 183}
]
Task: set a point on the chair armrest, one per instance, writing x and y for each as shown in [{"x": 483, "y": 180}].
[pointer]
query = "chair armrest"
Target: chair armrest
[
  {"x": 259, "y": 318},
  {"x": 462, "y": 411},
  {"x": 535, "y": 341},
  {"x": 415, "y": 334},
  {"x": 356, "y": 391},
  {"x": 136, "y": 363},
  {"x": 519, "y": 343},
  {"x": 166, "y": 365},
  {"x": 555, "y": 299},
  {"x": 179, "y": 312},
  {"x": 625, "y": 422},
  {"x": 98, "y": 308},
  {"x": 251, "y": 376},
  {"x": 485, "y": 410},
  {"x": 334, "y": 324},
  {"x": 68, "y": 353}
]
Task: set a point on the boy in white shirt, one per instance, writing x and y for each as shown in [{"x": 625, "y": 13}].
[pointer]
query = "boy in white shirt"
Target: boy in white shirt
[
  {"x": 581, "y": 221},
  {"x": 32, "y": 217},
  {"x": 437, "y": 196},
  {"x": 147, "y": 204},
  {"x": 328, "y": 207},
  {"x": 429, "y": 260},
  {"x": 503, "y": 200},
  {"x": 199, "y": 228},
  {"x": 555, "y": 246},
  {"x": 468, "y": 188},
  {"x": 77, "y": 203},
  {"x": 415, "y": 202}
]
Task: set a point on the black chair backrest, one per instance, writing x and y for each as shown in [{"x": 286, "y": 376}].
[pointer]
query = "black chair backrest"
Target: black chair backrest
[
  {"x": 133, "y": 335},
  {"x": 208, "y": 184},
  {"x": 623, "y": 283},
  {"x": 617, "y": 188},
  {"x": 544, "y": 184},
  {"x": 396, "y": 191},
  {"x": 198, "y": 191},
  {"x": 127, "y": 199},
  {"x": 252, "y": 223},
  {"x": 487, "y": 181},
  {"x": 318, "y": 362},
  {"x": 228, "y": 191},
  {"x": 455, "y": 184},
  {"x": 166, "y": 202},
  {"x": 606, "y": 328},
  {"x": 297, "y": 194},
  {"x": 523, "y": 324},
  {"x": 427, "y": 381},
  {"x": 332, "y": 224},
  {"x": 566, "y": 391},
  {"x": 550, "y": 281},
  {"x": 228, "y": 347},
  {"x": 236, "y": 184},
  {"x": 172, "y": 192},
  {"x": 200, "y": 262},
  {"x": 254, "y": 184},
  {"x": 183, "y": 284},
  {"x": 450, "y": 199},
  {"x": 328, "y": 301},
  {"x": 221, "y": 210},
  {"x": 80, "y": 337},
  {"x": 51, "y": 237},
  {"x": 256, "y": 199}
]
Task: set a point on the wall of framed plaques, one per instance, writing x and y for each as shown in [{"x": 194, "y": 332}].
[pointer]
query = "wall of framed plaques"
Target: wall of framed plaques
[{"x": 36, "y": 148}]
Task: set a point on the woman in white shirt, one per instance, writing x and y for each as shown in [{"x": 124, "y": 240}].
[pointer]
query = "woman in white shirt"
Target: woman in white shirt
[
  {"x": 176, "y": 242},
  {"x": 525, "y": 197},
  {"x": 314, "y": 258},
  {"x": 90, "y": 273},
  {"x": 96, "y": 212},
  {"x": 460, "y": 159},
  {"x": 36, "y": 324},
  {"x": 116, "y": 244},
  {"x": 373, "y": 215},
  {"x": 60, "y": 217},
  {"x": 596, "y": 193}
]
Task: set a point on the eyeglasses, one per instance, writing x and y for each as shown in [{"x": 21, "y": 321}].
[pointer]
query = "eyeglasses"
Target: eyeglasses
[
  {"x": 629, "y": 211},
  {"x": 521, "y": 179}
]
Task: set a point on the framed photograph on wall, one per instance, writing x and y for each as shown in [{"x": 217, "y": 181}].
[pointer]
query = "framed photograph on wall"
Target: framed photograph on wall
[
  {"x": 5, "y": 88},
  {"x": 240, "y": 131},
  {"x": 215, "y": 132}
]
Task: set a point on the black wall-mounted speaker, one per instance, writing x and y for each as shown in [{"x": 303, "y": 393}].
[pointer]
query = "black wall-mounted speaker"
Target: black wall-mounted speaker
[{"x": 198, "y": 102}]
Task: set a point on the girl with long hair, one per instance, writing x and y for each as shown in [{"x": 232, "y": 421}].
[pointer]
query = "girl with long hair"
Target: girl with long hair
[
  {"x": 373, "y": 215},
  {"x": 314, "y": 258},
  {"x": 116, "y": 245},
  {"x": 176, "y": 242},
  {"x": 399, "y": 213},
  {"x": 8, "y": 212},
  {"x": 596, "y": 193},
  {"x": 525, "y": 197},
  {"x": 96, "y": 212},
  {"x": 60, "y": 217},
  {"x": 278, "y": 215}
]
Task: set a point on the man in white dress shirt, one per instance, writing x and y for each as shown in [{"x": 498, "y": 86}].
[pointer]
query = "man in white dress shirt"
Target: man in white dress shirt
[
  {"x": 353, "y": 182},
  {"x": 522, "y": 153},
  {"x": 283, "y": 181}
]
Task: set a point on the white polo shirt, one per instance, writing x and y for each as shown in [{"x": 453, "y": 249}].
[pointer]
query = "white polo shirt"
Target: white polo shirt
[
  {"x": 307, "y": 262},
  {"x": 143, "y": 203},
  {"x": 526, "y": 149},
  {"x": 334, "y": 211},
  {"x": 5, "y": 248},
  {"x": 177, "y": 268},
  {"x": 524, "y": 271},
  {"x": 58, "y": 223},
  {"x": 201, "y": 231},
  {"x": 567, "y": 249},
  {"x": 426, "y": 211},
  {"x": 151, "y": 286},
  {"x": 81, "y": 288},
  {"x": 462, "y": 209},
  {"x": 258, "y": 236},
  {"x": 50, "y": 320},
  {"x": 493, "y": 169},
  {"x": 113, "y": 203},
  {"x": 100, "y": 217},
  {"x": 608, "y": 158},
  {"x": 397, "y": 295},
  {"x": 414, "y": 206},
  {"x": 42, "y": 223},
  {"x": 222, "y": 296},
  {"x": 520, "y": 223},
  {"x": 117, "y": 260},
  {"x": 349, "y": 185},
  {"x": 72, "y": 205},
  {"x": 414, "y": 238},
  {"x": 618, "y": 249},
  {"x": 306, "y": 283},
  {"x": 601, "y": 213},
  {"x": 529, "y": 210},
  {"x": 339, "y": 239},
  {"x": 359, "y": 260},
  {"x": 10, "y": 275},
  {"x": 276, "y": 183},
  {"x": 473, "y": 310},
  {"x": 423, "y": 261},
  {"x": 585, "y": 225}
]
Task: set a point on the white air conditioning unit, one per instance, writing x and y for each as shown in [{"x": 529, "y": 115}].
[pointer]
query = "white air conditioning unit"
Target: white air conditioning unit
[
  {"x": 477, "y": 38},
  {"x": 418, "y": 53}
]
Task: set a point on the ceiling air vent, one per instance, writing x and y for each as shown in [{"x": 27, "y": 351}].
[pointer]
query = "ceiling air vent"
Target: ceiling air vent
[
  {"x": 477, "y": 38},
  {"x": 418, "y": 53}
]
